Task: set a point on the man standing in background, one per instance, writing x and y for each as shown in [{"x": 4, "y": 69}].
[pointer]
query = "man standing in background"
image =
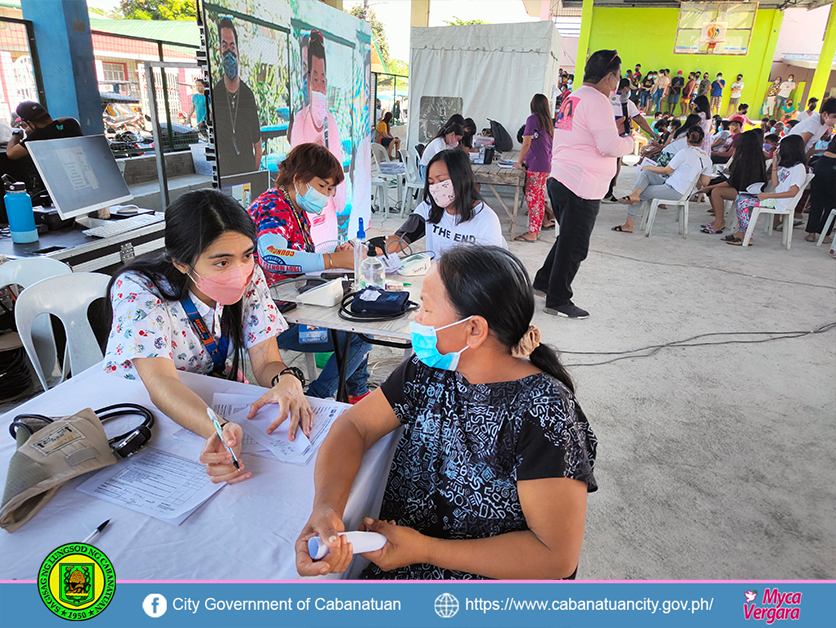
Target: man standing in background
[
  {"x": 717, "y": 93},
  {"x": 736, "y": 89},
  {"x": 237, "y": 129},
  {"x": 316, "y": 124},
  {"x": 198, "y": 109}
]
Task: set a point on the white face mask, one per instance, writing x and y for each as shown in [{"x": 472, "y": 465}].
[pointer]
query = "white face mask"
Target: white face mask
[
  {"x": 443, "y": 193},
  {"x": 319, "y": 107}
]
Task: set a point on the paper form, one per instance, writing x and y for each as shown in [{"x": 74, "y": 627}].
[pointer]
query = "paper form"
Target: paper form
[
  {"x": 225, "y": 407},
  {"x": 156, "y": 483},
  {"x": 298, "y": 451}
]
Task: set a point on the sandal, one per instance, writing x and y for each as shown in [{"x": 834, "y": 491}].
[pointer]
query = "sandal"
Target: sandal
[
  {"x": 709, "y": 228},
  {"x": 549, "y": 228},
  {"x": 626, "y": 200},
  {"x": 737, "y": 242},
  {"x": 810, "y": 237},
  {"x": 620, "y": 230},
  {"x": 522, "y": 238},
  {"x": 730, "y": 238}
]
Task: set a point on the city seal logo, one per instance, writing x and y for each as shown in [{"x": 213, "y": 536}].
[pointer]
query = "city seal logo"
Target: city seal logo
[{"x": 76, "y": 581}]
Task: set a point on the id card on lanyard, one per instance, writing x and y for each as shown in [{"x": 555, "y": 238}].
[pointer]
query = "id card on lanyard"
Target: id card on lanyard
[{"x": 217, "y": 350}]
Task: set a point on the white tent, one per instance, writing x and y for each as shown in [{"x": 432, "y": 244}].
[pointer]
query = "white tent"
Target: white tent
[{"x": 481, "y": 71}]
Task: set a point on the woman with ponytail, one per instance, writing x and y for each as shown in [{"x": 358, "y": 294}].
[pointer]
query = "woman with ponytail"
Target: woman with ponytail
[
  {"x": 672, "y": 181},
  {"x": 491, "y": 474}
]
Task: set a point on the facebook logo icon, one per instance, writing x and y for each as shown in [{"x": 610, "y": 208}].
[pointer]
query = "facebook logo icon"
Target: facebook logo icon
[{"x": 154, "y": 605}]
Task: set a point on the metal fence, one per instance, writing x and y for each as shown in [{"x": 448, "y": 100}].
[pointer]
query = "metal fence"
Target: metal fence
[{"x": 20, "y": 75}]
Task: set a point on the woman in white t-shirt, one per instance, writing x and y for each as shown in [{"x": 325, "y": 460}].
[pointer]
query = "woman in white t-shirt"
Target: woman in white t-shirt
[
  {"x": 789, "y": 173},
  {"x": 687, "y": 165},
  {"x": 453, "y": 212},
  {"x": 448, "y": 137}
]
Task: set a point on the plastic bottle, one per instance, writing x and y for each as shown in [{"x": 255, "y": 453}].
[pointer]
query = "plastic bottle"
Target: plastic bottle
[
  {"x": 360, "y": 254},
  {"x": 372, "y": 273},
  {"x": 20, "y": 214}
]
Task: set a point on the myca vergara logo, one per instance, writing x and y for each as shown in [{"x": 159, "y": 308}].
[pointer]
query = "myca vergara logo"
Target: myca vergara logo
[
  {"x": 774, "y": 605},
  {"x": 76, "y": 581}
]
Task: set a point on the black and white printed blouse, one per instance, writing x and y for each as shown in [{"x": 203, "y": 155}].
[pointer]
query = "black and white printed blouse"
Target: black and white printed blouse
[{"x": 464, "y": 448}]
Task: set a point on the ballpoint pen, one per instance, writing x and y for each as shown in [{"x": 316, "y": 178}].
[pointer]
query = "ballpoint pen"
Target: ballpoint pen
[
  {"x": 96, "y": 532},
  {"x": 220, "y": 432}
]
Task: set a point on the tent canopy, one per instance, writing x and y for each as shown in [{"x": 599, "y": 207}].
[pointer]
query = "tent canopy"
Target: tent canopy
[{"x": 488, "y": 70}]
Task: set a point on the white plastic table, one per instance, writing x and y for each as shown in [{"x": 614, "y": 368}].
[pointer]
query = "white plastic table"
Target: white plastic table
[{"x": 245, "y": 531}]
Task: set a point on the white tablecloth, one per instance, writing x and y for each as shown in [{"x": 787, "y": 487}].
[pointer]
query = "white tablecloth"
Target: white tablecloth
[{"x": 244, "y": 532}]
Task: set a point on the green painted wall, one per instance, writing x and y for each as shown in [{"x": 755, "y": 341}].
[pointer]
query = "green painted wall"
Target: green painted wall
[{"x": 647, "y": 36}]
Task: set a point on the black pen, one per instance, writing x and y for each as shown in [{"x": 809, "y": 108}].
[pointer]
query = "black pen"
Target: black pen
[{"x": 96, "y": 532}]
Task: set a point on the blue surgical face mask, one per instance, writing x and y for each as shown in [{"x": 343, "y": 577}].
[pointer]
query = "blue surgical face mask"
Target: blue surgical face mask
[
  {"x": 230, "y": 64},
  {"x": 313, "y": 201},
  {"x": 424, "y": 341}
]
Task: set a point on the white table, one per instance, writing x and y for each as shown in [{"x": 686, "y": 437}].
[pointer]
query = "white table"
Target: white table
[{"x": 244, "y": 532}]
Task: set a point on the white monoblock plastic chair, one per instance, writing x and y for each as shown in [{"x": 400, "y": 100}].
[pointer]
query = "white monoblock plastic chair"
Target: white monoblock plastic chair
[
  {"x": 787, "y": 214},
  {"x": 66, "y": 297},
  {"x": 827, "y": 224},
  {"x": 413, "y": 180},
  {"x": 682, "y": 205},
  {"x": 24, "y": 273},
  {"x": 380, "y": 153},
  {"x": 381, "y": 182}
]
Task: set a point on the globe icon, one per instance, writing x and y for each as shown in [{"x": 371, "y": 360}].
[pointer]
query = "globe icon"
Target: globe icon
[{"x": 446, "y": 605}]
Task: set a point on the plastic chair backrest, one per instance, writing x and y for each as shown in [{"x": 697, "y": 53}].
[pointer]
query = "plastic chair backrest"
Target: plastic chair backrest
[
  {"x": 379, "y": 152},
  {"x": 66, "y": 297},
  {"x": 411, "y": 168},
  {"x": 26, "y": 272}
]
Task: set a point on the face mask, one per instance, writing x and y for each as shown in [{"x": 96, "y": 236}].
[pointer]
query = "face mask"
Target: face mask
[
  {"x": 319, "y": 106},
  {"x": 312, "y": 201},
  {"x": 424, "y": 341},
  {"x": 767, "y": 148},
  {"x": 230, "y": 64},
  {"x": 227, "y": 287},
  {"x": 452, "y": 144},
  {"x": 443, "y": 193}
]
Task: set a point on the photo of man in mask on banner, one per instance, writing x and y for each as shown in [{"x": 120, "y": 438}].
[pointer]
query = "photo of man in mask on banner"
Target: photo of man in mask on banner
[
  {"x": 315, "y": 123},
  {"x": 238, "y": 132}
]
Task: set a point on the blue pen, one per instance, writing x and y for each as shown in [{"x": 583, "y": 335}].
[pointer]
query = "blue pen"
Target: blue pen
[{"x": 220, "y": 432}]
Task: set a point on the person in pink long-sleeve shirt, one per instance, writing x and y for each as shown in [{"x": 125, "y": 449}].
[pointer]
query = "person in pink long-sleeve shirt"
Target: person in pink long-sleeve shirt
[{"x": 587, "y": 143}]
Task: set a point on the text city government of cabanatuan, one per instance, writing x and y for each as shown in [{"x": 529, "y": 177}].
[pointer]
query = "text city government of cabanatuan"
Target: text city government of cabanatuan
[{"x": 303, "y": 604}]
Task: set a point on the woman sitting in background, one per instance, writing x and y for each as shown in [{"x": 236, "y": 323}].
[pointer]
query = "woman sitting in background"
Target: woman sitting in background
[
  {"x": 448, "y": 137},
  {"x": 384, "y": 129},
  {"x": 307, "y": 177},
  {"x": 822, "y": 194},
  {"x": 469, "y": 128},
  {"x": 197, "y": 308},
  {"x": 686, "y": 166},
  {"x": 452, "y": 212},
  {"x": 789, "y": 173},
  {"x": 491, "y": 475},
  {"x": 747, "y": 168}
]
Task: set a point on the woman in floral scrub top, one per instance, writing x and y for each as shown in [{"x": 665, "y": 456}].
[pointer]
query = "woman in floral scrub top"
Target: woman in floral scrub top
[{"x": 207, "y": 270}]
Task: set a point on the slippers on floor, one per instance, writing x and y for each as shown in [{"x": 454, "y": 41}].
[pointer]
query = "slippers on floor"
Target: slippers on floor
[
  {"x": 520, "y": 238},
  {"x": 620, "y": 230},
  {"x": 709, "y": 228},
  {"x": 549, "y": 228},
  {"x": 737, "y": 242}
]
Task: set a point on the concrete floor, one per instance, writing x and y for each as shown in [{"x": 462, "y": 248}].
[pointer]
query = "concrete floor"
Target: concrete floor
[{"x": 713, "y": 462}]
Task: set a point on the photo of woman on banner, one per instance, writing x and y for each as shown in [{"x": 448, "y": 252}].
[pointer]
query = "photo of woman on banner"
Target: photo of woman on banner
[
  {"x": 315, "y": 124},
  {"x": 237, "y": 129}
]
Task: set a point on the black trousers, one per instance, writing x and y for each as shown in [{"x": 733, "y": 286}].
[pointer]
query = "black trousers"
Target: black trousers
[{"x": 576, "y": 217}]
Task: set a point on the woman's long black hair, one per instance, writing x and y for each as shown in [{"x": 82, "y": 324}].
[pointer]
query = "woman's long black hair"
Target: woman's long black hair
[
  {"x": 702, "y": 104},
  {"x": 192, "y": 223},
  {"x": 749, "y": 164},
  {"x": 791, "y": 151},
  {"x": 490, "y": 282},
  {"x": 464, "y": 185},
  {"x": 693, "y": 119},
  {"x": 455, "y": 119},
  {"x": 452, "y": 127}
]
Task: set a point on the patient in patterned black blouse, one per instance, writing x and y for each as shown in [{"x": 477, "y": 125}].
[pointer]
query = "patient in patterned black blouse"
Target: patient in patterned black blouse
[{"x": 491, "y": 475}]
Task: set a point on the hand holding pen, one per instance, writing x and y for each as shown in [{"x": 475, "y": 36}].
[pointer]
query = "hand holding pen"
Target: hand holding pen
[{"x": 221, "y": 455}]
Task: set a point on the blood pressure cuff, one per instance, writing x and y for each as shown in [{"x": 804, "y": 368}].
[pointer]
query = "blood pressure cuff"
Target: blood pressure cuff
[{"x": 53, "y": 454}]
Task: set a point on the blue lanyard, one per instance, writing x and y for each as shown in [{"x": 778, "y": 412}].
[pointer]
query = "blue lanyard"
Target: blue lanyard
[{"x": 217, "y": 351}]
